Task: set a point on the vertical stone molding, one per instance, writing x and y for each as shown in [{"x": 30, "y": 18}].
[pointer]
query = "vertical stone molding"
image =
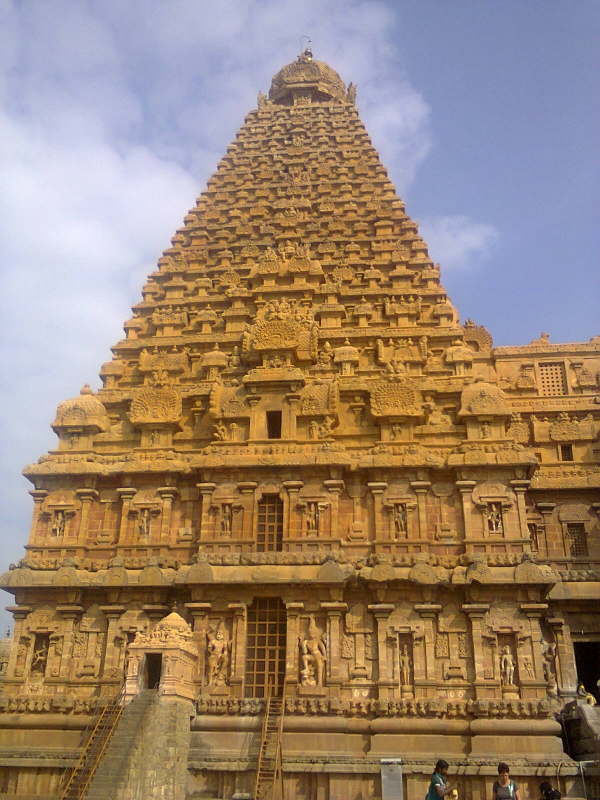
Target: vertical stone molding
[{"x": 334, "y": 616}]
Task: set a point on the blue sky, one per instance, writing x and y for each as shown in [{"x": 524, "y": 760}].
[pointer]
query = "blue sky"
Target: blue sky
[{"x": 114, "y": 114}]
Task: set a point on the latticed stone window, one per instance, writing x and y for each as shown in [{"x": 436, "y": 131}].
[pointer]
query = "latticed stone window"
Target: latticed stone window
[
  {"x": 566, "y": 452},
  {"x": 552, "y": 379},
  {"x": 265, "y": 652},
  {"x": 269, "y": 533},
  {"x": 576, "y": 540}
]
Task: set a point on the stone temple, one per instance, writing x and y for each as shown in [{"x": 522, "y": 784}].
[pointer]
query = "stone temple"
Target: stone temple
[{"x": 312, "y": 522}]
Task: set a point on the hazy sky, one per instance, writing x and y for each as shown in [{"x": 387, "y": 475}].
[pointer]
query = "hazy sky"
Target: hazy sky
[{"x": 114, "y": 114}]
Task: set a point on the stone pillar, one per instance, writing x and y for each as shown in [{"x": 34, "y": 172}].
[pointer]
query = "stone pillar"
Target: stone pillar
[
  {"x": 253, "y": 401},
  {"x": 291, "y": 432},
  {"x": 381, "y": 612},
  {"x": 377, "y": 489},
  {"x": 546, "y": 510},
  {"x": 20, "y": 614},
  {"x": 293, "y": 521},
  {"x": 427, "y": 612},
  {"x": 519, "y": 488},
  {"x": 206, "y": 492},
  {"x": 38, "y": 498},
  {"x": 126, "y": 494},
  {"x": 199, "y": 612},
  {"x": 87, "y": 497},
  {"x": 566, "y": 671},
  {"x": 238, "y": 651},
  {"x": 466, "y": 490},
  {"x": 475, "y": 612},
  {"x": 292, "y": 664},
  {"x": 534, "y": 611},
  {"x": 421, "y": 488},
  {"x": 335, "y": 489},
  {"x": 167, "y": 495},
  {"x": 111, "y": 659},
  {"x": 69, "y": 613},
  {"x": 247, "y": 490},
  {"x": 334, "y": 617}
]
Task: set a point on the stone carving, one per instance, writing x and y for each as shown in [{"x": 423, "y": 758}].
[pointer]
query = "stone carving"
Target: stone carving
[
  {"x": 218, "y": 649},
  {"x": 483, "y": 399},
  {"x": 85, "y": 411},
  {"x": 157, "y": 403},
  {"x": 397, "y": 396},
  {"x": 460, "y": 355},
  {"x": 314, "y": 656},
  {"x": 548, "y": 665},
  {"x": 507, "y": 667},
  {"x": 518, "y": 430}
]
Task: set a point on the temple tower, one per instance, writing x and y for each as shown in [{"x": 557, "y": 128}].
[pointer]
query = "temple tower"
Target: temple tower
[{"x": 304, "y": 475}]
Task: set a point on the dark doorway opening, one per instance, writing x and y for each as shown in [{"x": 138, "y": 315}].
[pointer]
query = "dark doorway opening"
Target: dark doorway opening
[
  {"x": 587, "y": 661},
  {"x": 153, "y": 670},
  {"x": 274, "y": 424}
]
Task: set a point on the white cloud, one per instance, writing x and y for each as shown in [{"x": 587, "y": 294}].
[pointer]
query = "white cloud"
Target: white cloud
[{"x": 457, "y": 242}]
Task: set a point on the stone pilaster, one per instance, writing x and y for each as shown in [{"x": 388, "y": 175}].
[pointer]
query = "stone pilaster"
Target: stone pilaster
[
  {"x": 199, "y": 612},
  {"x": 519, "y": 488},
  {"x": 335, "y": 489},
  {"x": 69, "y": 613},
  {"x": 113, "y": 653},
  {"x": 466, "y": 493},
  {"x": 566, "y": 671},
  {"x": 238, "y": 652},
  {"x": 247, "y": 489},
  {"x": 87, "y": 497},
  {"x": 377, "y": 489},
  {"x": 428, "y": 612},
  {"x": 534, "y": 611},
  {"x": 20, "y": 614},
  {"x": 334, "y": 617},
  {"x": 126, "y": 494},
  {"x": 292, "y": 663},
  {"x": 475, "y": 613},
  {"x": 421, "y": 488},
  {"x": 38, "y": 498},
  {"x": 206, "y": 493},
  {"x": 167, "y": 495},
  {"x": 294, "y": 519},
  {"x": 381, "y": 612}
]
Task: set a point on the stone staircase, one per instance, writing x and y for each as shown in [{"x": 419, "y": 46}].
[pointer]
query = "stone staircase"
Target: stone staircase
[{"x": 111, "y": 768}]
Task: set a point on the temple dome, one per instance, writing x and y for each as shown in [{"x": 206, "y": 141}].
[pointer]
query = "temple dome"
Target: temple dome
[
  {"x": 306, "y": 77},
  {"x": 83, "y": 411}
]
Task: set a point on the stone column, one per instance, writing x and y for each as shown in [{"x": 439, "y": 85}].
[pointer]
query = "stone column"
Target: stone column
[
  {"x": 199, "y": 612},
  {"x": 111, "y": 659},
  {"x": 167, "y": 495},
  {"x": 334, "y": 616},
  {"x": 381, "y": 612},
  {"x": 292, "y": 663},
  {"x": 475, "y": 612},
  {"x": 69, "y": 613},
  {"x": 247, "y": 490},
  {"x": 377, "y": 489},
  {"x": 466, "y": 490},
  {"x": 293, "y": 521},
  {"x": 427, "y": 612},
  {"x": 546, "y": 510},
  {"x": 253, "y": 401},
  {"x": 534, "y": 611},
  {"x": 206, "y": 492},
  {"x": 238, "y": 651},
  {"x": 38, "y": 498},
  {"x": 87, "y": 497},
  {"x": 566, "y": 671},
  {"x": 335, "y": 489},
  {"x": 519, "y": 488},
  {"x": 421, "y": 488},
  {"x": 126, "y": 494},
  {"x": 291, "y": 432},
  {"x": 20, "y": 614}
]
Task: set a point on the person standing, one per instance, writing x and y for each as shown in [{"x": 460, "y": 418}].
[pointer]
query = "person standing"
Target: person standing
[
  {"x": 439, "y": 787},
  {"x": 505, "y": 788}
]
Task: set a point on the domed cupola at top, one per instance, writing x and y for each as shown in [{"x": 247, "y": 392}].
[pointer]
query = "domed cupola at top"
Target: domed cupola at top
[{"x": 306, "y": 81}]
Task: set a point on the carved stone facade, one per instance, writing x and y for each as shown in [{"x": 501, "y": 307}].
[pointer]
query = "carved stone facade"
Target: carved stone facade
[{"x": 302, "y": 470}]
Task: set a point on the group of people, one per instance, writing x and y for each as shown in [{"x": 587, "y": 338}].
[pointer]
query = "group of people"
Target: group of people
[{"x": 503, "y": 789}]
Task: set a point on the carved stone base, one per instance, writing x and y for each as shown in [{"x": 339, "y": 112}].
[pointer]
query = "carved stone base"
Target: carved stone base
[{"x": 312, "y": 691}]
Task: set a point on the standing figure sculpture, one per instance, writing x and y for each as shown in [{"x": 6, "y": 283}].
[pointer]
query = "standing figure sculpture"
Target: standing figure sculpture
[
  {"x": 314, "y": 655},
  {"x": 404, "y": 666},
  {"x": 507, "y": 667},
  {"x": 218, "y": 654}
]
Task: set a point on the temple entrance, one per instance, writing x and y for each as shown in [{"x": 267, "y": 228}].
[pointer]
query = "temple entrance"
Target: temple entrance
[
  {"x": 265, "y": 650},
  {"x": 587, "y": 661},
  {"x": 153, "y": 670}
]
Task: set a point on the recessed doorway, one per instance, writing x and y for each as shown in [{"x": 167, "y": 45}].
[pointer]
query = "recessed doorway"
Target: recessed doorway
[
  {"x": 587, "y": 661},
  {"x": 153, "y": 670}
]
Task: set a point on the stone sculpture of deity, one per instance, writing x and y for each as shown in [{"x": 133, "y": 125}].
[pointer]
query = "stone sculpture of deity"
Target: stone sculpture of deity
[
  {"x": 218, "y": 654},
  {"x": 314, "y": 656}
]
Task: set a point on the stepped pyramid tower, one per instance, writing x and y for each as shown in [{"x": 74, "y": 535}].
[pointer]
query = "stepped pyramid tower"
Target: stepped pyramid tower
[{"x": 305, "y": 478}]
